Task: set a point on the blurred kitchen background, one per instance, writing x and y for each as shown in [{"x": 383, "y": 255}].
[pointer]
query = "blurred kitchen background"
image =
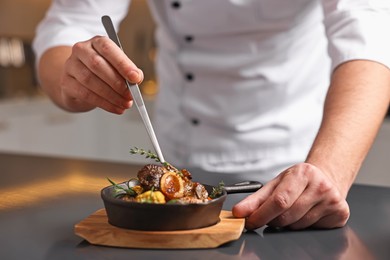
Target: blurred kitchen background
[{"x": 31, "y": 124}]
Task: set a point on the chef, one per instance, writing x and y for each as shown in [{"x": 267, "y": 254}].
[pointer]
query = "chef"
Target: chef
[{"x": 288, "y": 92}]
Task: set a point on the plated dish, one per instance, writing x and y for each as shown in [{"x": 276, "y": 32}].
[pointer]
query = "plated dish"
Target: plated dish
[{"x": 163, "y": 198}]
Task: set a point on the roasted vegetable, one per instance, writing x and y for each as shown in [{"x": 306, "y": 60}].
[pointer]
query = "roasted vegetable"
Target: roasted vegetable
[
  {"x": 151, "y": 196},
  {"x": 172, "y": 185}
]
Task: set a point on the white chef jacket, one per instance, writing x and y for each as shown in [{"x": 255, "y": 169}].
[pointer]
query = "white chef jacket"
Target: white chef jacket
[{"x": 242, "y": 82}]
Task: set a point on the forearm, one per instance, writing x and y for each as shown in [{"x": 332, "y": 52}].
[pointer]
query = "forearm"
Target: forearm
[
  {"x": 50, "y": 70},
  {"x": 355, "y": 106}
]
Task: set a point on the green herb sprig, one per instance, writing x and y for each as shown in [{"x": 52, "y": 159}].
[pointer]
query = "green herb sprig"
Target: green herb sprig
[
  {"x": 119, "y": 190},
  {"x": 218, "y": 190},
  {"x": 148, "y": 154}
]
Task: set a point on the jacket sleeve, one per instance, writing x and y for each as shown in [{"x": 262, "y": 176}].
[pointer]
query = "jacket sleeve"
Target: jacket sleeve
[
  {"x": 69, "y": 21},
  {"x": 357, "y": 29}
]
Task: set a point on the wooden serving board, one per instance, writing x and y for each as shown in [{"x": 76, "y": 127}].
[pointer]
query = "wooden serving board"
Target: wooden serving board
[{"x": 96, "y": 230}]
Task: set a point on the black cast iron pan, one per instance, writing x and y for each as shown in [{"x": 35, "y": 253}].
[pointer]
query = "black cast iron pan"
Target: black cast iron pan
[{"x": 169, "y": 217}]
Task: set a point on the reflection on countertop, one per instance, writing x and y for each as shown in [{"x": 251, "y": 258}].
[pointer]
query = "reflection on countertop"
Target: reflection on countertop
[{"x": 22, "y": 194}]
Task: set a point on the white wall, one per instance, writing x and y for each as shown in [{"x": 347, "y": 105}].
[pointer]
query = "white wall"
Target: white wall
[{"x": 376, "y": 168}]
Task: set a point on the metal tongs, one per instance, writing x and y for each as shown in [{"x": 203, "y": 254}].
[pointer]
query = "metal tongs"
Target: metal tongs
[{"x": 134, "y": 90}]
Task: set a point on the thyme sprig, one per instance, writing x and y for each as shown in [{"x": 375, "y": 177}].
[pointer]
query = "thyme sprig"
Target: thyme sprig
[
  {"x": 218, "y": 190},
  {"x": 148, "y": 154},
  {"x": 119, "y": 190}
]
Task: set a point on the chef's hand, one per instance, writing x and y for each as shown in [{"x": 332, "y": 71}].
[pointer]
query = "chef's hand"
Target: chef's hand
[
  {"x": 300, "y": 197},
  {"x": 94, "y": 75}
]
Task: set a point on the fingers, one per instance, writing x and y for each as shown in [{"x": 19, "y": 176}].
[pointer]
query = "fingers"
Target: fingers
[
  {"x": 74, "y": 92},
  {"x": 298, "y": 198},
  {"x": 335, "y": 219},
  {"x": 99, "y": 86},
  {"x": 117, "y": 59},
  {"x": 94, "y": 74},
  {"x": 329, "y": 211},
  {"x": 324, "y": 216},
  {"x": 98, "y": 65},
  {"x": 288, "y": 188},
  {"x": 302, "y": 196}
]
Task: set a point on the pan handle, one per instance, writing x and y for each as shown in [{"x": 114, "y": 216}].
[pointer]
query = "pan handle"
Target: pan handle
[{"x": 243, "y": 187}]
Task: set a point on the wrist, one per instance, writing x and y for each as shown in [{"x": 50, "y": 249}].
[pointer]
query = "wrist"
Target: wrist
[{"x": 337, "y": 171}]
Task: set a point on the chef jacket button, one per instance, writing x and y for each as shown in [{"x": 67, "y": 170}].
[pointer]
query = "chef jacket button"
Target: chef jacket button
[
  {"x": 189, "y": 76},
  {"x": 195, "y": 121},
  {"x": 176, "y": 4},
  {"x": 189, "y": 38}
]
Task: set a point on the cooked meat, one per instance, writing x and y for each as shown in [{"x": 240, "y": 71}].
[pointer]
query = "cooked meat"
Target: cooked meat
[
  {"x": 149, "y": 176},
  {"x": 195, "y": 190},
  {"x": 171, "y": 168},
  {"x": 186, "y": 175},
  {"x": 200, "y": 191},
  {"x": 188, "y": 189}
]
